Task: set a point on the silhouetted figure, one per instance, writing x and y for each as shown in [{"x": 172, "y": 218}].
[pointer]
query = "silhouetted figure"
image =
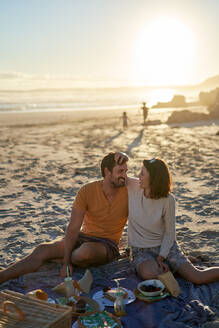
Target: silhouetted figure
[
  {"x": 124, "y": 120},
  {"x": 144, "y": 112}
]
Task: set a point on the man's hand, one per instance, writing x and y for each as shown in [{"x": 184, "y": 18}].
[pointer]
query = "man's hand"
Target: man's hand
[
  {"x": 120, "y": 158},
  {"x": 63, "y": 271},
  {"x": 162, "y": 265},
  {"x": 71, "y": 236}
]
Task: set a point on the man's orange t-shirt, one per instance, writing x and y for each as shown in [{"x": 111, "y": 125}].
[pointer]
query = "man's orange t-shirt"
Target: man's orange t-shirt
[{"x": 102, "y": 218}]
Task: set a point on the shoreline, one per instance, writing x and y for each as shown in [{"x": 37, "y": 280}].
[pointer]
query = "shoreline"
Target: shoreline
[
  {"x": 57, "y": 117},
  {"x": 46, "y": 118}
]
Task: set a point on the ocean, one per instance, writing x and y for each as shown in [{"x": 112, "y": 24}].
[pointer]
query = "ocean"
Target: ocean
[{"x": 28, "y": 94}]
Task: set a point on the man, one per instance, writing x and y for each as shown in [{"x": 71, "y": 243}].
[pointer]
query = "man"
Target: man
[
  {"x": 99, "y": 214},
  {"x": 144, "y": 112}
]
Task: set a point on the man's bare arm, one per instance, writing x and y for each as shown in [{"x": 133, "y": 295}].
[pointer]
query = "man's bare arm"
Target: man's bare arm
[{"x": 71, "y": 236}]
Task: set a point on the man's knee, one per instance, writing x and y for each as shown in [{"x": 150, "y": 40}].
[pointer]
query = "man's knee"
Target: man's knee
[{"x": 83, "y": 256}]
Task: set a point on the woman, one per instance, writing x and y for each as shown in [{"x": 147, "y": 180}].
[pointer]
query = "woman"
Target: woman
[{"x": 151, "y": 227}]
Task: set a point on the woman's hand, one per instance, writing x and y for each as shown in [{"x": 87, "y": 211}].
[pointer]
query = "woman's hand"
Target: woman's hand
[
  {"x": 63, "y": 271},
  {"x": 162, "y": 265}
]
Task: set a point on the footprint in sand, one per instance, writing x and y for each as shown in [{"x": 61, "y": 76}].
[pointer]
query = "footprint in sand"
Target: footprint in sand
[{"x": 181, "y": 219}]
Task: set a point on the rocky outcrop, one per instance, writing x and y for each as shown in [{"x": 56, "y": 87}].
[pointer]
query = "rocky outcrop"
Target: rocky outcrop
[
  {"x": 177, "y": 101},
  {"x": 209, "y": 98},
  {"x": 205, "y": 99},
  {"x": 214, "y": 111},
  {"x": 184, "y": 116},
  {"x": 188, "y": 116}
]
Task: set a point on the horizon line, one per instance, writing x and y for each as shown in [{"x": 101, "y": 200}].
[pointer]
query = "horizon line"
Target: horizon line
[{"x": 109, "y": 83}]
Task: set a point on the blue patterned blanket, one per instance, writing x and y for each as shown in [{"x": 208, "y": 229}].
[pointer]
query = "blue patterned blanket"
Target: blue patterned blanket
[{"x": 193, "y": 308}]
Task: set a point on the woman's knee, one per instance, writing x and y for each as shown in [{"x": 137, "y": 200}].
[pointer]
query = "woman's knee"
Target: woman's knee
[
  {"x": 148, "y": 270},
  {"x": 146, "y": 275}
]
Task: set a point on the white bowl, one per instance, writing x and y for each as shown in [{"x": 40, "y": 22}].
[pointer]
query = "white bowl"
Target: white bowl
[{"x": 153, "y": 282}]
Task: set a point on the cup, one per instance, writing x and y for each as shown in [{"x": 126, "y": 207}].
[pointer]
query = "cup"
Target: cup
[{"x": 69, "y": 287}]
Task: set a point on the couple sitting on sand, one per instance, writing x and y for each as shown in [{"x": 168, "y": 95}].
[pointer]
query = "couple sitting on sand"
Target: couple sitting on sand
[{"x": 99, "y": 214}]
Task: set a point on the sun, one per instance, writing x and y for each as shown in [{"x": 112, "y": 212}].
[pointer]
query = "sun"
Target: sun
[{"x": 164, "y": 53}]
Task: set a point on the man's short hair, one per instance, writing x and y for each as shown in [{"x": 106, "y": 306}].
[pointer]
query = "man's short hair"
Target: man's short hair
[{"x": 109, "y": 161}]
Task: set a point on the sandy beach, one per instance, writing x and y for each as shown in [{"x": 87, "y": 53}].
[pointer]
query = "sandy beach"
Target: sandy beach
[{"x": 46, "y": 157}]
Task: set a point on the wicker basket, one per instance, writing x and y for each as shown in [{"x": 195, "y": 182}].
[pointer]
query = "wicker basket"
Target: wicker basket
[{"x": 16, "y": 310}]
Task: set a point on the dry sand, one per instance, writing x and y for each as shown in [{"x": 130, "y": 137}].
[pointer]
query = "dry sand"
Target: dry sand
[{"x": 46, "y": 157}]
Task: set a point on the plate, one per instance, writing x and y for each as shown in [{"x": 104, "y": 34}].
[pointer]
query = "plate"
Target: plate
[
  {"x": 99, "y": 296},
  {"x": 101, "y": 305},
  {"x": 151, "y": 299},
  {"x": 152, "y": 282},
  {"x": 104, "y": 319}
]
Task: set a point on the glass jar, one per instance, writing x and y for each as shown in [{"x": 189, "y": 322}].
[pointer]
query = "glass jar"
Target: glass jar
[
  {"x": 69, "y": 287},
  {"x": 119, "y": 306}
]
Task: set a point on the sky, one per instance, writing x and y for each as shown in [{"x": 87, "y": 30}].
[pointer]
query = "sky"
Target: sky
[{"x": 138, "y": 42}]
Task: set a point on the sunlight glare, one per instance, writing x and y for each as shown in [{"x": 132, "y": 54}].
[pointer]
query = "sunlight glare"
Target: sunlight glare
[
  {"x": 160, "y": 95},
  {"x": 164, "y": 53}
]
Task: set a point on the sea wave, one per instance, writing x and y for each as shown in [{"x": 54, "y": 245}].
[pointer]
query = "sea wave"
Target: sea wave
[{"x": 21, "y": 92}]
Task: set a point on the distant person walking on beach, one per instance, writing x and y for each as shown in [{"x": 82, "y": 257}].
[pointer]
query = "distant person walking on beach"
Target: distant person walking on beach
[
  {"x": 99, "y": 214},
  {"x": 144, "y": 112},
  {"x": 124, "y": 120}
]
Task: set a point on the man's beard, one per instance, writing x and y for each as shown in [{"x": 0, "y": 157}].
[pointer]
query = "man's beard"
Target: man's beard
[{"x": 119, "y": 183}]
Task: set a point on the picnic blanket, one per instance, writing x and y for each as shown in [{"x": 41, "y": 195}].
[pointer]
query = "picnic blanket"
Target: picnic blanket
[{"x": 195, "y": 307}]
